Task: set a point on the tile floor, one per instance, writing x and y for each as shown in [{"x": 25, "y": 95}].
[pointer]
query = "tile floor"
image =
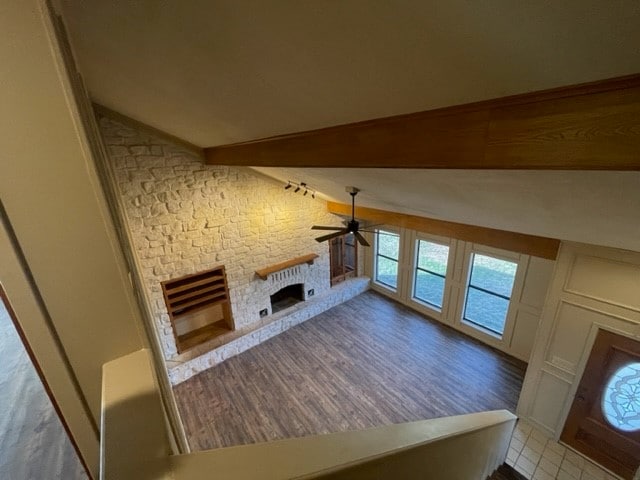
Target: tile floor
[{"x": 538, "y": 457}]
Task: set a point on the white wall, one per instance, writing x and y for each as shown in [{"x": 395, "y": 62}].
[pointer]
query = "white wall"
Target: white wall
[
  {"x": 527, "y": 299},
  {"x": 592, "y": 288}
]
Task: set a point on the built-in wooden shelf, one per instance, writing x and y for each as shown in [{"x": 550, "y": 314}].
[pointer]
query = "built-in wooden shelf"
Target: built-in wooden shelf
[
  {"x": 265, "y": 272},
  {"x": 203, "y": 334},
  {"x": 198, "y": 307}
]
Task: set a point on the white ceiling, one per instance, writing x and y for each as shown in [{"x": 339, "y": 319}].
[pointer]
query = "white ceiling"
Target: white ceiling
[
  {"x": 601, "y": 208},
  {"x": 224, "y": 71},
  {"x": 221, "y": 71}
]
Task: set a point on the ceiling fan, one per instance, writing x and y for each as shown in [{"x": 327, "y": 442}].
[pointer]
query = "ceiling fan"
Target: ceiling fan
[{"x": 351, "y": 226}]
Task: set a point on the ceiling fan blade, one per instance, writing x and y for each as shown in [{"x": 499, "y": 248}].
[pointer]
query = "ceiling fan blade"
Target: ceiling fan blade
[
  {"x": 332, "y": 235},
  {"x": 361, "y": 239},
  {"x": 320, "y": 227}
]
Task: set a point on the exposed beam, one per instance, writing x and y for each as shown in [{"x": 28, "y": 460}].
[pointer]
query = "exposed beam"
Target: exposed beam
[
  {"x": 516, "y": 242},
  {"x": 594, "y": 126}
]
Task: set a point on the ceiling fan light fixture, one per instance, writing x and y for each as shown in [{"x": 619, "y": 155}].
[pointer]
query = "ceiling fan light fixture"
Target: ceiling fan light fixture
[{"x": 351, "y": 226}]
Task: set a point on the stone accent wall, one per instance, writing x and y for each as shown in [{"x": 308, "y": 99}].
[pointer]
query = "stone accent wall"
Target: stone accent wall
[{"x": 186, "y": 217}]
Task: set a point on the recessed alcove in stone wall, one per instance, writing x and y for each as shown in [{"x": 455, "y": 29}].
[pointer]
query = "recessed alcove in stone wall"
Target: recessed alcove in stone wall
[{"x": 184, "y": 217}]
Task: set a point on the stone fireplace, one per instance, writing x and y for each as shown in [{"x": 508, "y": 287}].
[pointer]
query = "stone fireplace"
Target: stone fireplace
[
  {"x": 287, "y": 297},
  {"x": 185, "y": 217}
]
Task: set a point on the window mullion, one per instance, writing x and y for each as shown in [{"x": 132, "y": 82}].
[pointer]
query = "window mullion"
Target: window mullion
[
  {"x": 495, "y": 294},
  {"x": 431, "y": 272}
]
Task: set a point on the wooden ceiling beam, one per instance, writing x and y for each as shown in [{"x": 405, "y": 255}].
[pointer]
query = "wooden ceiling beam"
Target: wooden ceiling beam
[
  {"x": 594, "y": 126},
  {"x": 542, "y": 247}
]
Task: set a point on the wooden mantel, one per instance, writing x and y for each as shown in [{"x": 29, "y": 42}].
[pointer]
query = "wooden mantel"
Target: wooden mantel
[{"x": 263, "y": 273}]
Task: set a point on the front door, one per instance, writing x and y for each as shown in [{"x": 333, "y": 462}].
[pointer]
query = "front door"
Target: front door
[{"x": 604, "y": 420}]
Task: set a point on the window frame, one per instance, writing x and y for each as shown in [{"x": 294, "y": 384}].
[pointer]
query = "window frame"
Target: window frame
[
  {"x": 445, "y": 242},
  {"x": 376, "y": 236},
  {"x": 455, "y": 284},
  {"x": 475, "y": 329}
]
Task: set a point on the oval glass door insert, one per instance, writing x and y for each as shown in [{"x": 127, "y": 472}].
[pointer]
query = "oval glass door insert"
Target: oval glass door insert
[{"x": 621, "y": 398}]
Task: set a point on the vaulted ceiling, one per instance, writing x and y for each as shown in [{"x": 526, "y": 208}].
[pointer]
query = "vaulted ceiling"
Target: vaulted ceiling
[{"x": 219, "y": 72}]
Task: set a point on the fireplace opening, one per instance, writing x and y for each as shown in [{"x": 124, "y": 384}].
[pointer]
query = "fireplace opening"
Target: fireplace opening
[{"x": 287, "y": 297}]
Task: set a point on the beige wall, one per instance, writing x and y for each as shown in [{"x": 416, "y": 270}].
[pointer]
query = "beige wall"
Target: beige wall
[
  {"x": 55, "y": 205},
  {"x": 592, "y": 288}
]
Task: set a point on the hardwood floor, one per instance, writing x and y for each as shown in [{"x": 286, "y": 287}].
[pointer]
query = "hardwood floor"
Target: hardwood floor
[
  {"x": 365, "y": 363},
  {"x": 33, "y": 443}
]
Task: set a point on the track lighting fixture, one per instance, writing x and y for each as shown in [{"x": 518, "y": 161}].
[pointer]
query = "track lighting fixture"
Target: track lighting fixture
[{"x": 301, "y": 186}]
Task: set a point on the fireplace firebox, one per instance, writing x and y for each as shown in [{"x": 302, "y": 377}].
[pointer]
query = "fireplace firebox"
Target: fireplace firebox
[{"x": 287, "y": 297}]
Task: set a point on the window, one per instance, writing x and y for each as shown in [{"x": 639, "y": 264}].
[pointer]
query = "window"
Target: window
[
  {"x": 621, "y": 398},
  {"x": 430, "y": 272},
  {"x": 386, "y": 258},
  {"x": 489, "y": 292}
]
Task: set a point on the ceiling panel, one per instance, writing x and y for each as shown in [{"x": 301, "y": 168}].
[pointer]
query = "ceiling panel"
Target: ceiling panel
[{"x": 224, "y": 71}]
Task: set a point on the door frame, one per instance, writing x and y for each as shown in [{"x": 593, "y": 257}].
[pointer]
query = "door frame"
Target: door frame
[
  {"x": 610, "y": 341},
  {"x": 593, "y": 333},
  {"x": 30, "y": 317}
]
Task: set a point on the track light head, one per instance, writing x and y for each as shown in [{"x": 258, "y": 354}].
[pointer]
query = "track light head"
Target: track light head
[{"x": 301, "y": 186}]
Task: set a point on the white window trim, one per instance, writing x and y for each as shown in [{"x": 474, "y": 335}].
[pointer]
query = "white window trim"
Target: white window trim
[
  {"x": 417, "y": 304},
  {"x": 455, "y": 285},
  {"x": 502, "y": 342},
  {"x": 388, "y": 290}
]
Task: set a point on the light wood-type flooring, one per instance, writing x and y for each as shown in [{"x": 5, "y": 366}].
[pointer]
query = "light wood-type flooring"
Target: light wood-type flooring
[
  {"x": 365, "y": 363},
  {"x": 33, "y": 442}
]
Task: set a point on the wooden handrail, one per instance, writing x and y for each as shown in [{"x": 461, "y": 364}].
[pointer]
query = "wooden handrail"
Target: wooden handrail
[{"x": 263, "y": 273}]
